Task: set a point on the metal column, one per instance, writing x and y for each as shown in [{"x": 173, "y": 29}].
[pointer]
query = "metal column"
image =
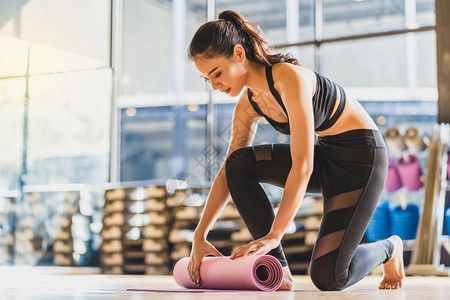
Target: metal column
[{"x": 443, "y": 59}]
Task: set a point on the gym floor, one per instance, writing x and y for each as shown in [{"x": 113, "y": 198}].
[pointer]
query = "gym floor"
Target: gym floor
[{"x": 86, "y": 283}]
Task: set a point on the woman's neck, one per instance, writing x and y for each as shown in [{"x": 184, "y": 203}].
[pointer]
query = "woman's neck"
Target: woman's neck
[{"x": 256, "y": 79}]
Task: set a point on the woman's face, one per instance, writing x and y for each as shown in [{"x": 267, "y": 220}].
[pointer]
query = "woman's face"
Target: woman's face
[{"x": 225, "y": 74}]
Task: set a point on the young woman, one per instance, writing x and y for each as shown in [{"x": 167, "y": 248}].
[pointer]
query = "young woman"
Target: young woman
[{"x": 347, "y": 163}]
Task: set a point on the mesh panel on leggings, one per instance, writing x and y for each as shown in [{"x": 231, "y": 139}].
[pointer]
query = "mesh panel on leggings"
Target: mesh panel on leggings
[
  {"x": 338, "y": 211},
  {"x": 344, "y": 200}
]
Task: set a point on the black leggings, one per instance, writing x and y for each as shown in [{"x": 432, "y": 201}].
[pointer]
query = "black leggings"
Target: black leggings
[{"x": 350, "y": 171}]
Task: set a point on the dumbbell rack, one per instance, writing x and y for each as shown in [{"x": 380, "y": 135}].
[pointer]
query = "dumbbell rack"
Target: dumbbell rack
[
  {"x": 8, "y": 201},
  {"x": 135, "y": 225},
  {"x": 51, "y": 224}
]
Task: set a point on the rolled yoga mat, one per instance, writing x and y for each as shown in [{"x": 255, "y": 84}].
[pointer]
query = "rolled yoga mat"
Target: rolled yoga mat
[
  {"x": 393, "y": 181},
  {"x": 254, "y": 272},
  {"x": 410, "y": 172},
  {"x": 448, "y": 167}
]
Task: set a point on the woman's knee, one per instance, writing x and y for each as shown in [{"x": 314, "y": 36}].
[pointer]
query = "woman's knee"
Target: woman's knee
[
  {"x": 238, "y": 160},
  {"x": 323, "y": 277}
]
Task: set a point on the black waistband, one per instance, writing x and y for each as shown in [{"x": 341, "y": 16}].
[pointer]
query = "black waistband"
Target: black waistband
[{"x": 357, "y": 136}]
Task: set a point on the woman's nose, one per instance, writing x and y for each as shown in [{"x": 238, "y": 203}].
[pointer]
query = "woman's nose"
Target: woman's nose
[{"x": 215, "y": 85}]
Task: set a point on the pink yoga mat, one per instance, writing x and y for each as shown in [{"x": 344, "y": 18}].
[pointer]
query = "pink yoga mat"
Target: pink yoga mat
[{"x": 255, "y": 272}]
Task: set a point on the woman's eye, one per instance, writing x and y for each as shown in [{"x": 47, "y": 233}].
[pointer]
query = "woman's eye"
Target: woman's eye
[{"x": 218, "y": 74}]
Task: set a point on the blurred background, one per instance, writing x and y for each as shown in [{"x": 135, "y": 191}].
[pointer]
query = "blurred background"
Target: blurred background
[{"x": 99, "y": 95}]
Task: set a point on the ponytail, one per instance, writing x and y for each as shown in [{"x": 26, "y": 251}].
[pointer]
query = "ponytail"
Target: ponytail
[{"x": 218, "y": 38}]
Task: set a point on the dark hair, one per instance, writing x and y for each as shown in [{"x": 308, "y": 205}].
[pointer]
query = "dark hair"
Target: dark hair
[{"x": 218, "y": 38}]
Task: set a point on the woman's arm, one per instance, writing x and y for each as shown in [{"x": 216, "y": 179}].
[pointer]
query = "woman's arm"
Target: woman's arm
[
  {"x": 296, "y": 91},
  {"x": 244, "y": 125}
]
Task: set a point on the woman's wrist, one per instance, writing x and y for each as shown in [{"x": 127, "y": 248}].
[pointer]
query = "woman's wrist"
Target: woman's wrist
[
  {"x": 275, "y": 235},
  {"x": 199, "y": 236}
]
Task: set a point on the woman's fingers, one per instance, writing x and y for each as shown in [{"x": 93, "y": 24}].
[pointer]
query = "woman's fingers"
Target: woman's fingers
[
  {"x": 190, "y": 270},
  {"x": 236, "y": 253},
  {"x": 252, "y": 249},
  {"x": 249, "y": 249},
  {"x": 196, "y": 275},
  {"x": 193, "y": 271}
]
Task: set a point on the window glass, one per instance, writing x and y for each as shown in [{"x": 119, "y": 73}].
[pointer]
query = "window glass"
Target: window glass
[
  {"x": 12, "y": 98},
  {"x": 195, "y": 17},
  {"x": 69, "y": 128},
  {"x": 146, "y": 49},
  {"x": 81, "y": 27},
  {"x": 426, "y": 59},
  {"x": 13, "y": 57},
  {"x": 163, "y": 142},
  {"x": 349, "y": 17},
  {"x": 282, "y": 22},
  {"x": 196, "y": 150},
  {"x": 425, "y": 12},
  {"x": 403, "y": 64},
  {"x": 370, "y": 62},
  {"x": 146, "y": 149},
  {"x": 48, "y": 60}
]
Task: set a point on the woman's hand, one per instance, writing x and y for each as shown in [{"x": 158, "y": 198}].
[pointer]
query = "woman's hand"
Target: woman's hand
[
  {"x": 200, "y": 248},
  {"x": 257, "y": 247}
]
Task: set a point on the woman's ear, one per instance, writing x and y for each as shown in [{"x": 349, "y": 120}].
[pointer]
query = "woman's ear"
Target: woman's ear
[{"x": 239, "y": 53}]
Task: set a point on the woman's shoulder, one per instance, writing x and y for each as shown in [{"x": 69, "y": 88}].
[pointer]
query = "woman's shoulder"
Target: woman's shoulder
[
  {"x": 285, "y": 69},
  {"x": 286, "y": 73}
]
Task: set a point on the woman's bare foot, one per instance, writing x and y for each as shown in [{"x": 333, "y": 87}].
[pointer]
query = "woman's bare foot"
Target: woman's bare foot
[
  {"x": 287, "y": 280},
  {"x": 393, "y": 270}
]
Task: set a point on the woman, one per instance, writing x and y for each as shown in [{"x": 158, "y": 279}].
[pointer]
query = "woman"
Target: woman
[{"x": 347, "y": 164}]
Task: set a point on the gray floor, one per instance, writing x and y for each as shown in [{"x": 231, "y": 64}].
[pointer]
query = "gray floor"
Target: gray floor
[{"x": 76, "y": 283}]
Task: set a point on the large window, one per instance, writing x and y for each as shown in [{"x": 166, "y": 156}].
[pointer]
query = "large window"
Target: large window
[
  {"x": 163, "y": 142},
  {"x": 350, "y": 17},
  {"x": 69, "y": 117},
  {"x": 155, "y": 35},
  {"x": 282, "y": 22},
  {"x": 381, "y": 51},
  {"x": 11, "y": 123},
  {"x": 55, "y": 92}
]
